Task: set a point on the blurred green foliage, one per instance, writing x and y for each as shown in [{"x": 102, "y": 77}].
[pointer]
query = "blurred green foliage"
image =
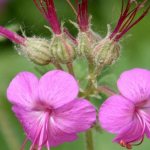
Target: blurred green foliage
[{"x": 135, "y": 52}]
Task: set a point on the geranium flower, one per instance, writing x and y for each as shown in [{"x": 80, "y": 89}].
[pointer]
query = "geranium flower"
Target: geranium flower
[
  {"x": 49, "y": 109},
  {"x": 128, "y": 114}
]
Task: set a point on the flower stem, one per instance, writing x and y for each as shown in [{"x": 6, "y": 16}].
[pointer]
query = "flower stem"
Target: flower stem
[
  {"x": 89, "y": 140},
  {"x": 58, "y": 66}
]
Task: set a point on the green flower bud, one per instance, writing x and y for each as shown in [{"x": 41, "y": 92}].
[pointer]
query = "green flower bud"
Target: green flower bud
[
  {"x": 106, "y": 52},
  {"x": 86, "y": 42},
  {"x": 62, "y": 48},
  {"x": 36, "y": 50}
]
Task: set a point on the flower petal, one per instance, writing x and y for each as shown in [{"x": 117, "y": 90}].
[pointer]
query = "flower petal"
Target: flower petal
[
  {"x": 57, "y": 136},
  {"x": 32, "y": 121},
  {"x": 145, "y": 115},
  {"x": 57, "y": 88},
  {"x": 133, "y": 132},
  {"x": 135, "y": 84},
  {"x": 40, "y": 128},
  {"x": 116, "y": 113},
  {"x": 77, "y": 116},
  {"x": 23, "y": 89}
]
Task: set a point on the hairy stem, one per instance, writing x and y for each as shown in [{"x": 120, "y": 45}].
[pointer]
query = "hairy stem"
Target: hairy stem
[
  {"x": 89, "y": 90},
  {"x": 58, "y": 66}
]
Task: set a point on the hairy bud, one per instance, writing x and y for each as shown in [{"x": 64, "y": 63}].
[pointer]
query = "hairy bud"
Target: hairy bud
[
  {"x": 36, "y": 50},
  {"x": 86, "y": 42},
  {"x": 62, "y": 48},
  {"x": 106, "y": 52}
]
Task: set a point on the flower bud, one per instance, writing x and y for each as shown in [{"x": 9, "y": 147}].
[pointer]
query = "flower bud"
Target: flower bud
[
  {"x": 106, "y": 52},
  {"x": 86, "y": 42},
  {"x": 62, "y": 48},
  {"x": 37, "y": 50}
]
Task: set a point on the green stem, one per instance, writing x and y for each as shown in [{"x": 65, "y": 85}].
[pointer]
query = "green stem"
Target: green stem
[
  {"x": 89, "y": 140},
  {"x": 91, "y": 86}
]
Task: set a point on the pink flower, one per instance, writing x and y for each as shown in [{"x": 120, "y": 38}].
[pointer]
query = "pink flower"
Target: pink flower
[
  {"x": 128, "y": 113},
  {"x": 49, "y": 109}
]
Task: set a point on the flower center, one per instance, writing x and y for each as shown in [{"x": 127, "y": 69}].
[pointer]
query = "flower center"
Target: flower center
[
  {"x": 43, "y": 107},
  {"x": 141, "y": 106}
]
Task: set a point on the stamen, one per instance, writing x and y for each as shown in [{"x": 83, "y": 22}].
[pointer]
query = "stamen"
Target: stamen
[
  {"x": 126, "y": 145},
  {"x": 36, "y": 137}
]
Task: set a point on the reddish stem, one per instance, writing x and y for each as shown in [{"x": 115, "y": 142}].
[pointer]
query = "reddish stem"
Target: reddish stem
[
  {"x": 47, "y": 8},
  {"x": 83, "y": 18},
  {"x": 12, "y": 36},
  {"x": 127, "y": 19}
]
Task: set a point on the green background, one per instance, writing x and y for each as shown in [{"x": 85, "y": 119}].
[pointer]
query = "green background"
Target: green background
[{"x": 135, "y": 52}]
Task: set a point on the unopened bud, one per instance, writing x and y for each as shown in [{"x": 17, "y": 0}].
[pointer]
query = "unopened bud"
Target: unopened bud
[
  {"x": 62, "y": 48},
  {"x": 106, "y": 52},
  {"x": 86, "y": 42},
  {"x": 37, "y": 50}
]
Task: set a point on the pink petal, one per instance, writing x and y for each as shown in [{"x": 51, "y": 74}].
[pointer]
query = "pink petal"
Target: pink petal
[
  {"x": 135, "y": 84},
  {"x": 40, "y": 129},
  {"x": 57, "y": 88},
  {"x": 133, "y": 132},
  {"x": 23, "y": 89},
  {"x": 57, "y": 136},
  {"x": 144, "y": 113},
  {"x": 33, "y": 123},
  {"x": 116, "y": 113},
  {"x": 77, "y": 116}
]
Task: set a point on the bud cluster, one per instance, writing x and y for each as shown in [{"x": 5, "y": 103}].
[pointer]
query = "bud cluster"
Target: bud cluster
[{"x": 63, "y": 48}]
